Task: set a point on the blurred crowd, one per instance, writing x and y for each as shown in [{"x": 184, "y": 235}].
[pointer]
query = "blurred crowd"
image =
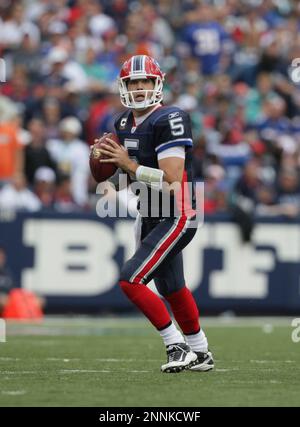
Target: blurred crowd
[{"x": 227, "y": 62}]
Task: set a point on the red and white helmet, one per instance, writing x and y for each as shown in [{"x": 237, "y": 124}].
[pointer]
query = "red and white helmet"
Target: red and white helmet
[{"x": 141, "y": 67}]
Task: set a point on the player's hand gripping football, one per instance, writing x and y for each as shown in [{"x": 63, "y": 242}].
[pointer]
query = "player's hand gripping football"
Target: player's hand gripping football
[{"x": 118, "y": 155}]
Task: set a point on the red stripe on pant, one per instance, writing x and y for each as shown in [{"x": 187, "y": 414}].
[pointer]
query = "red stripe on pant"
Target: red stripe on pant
[{"x": 159, "y": 252}]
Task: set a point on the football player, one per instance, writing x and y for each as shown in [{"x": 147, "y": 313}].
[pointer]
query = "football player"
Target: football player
[{"x": 156, "y": 150}]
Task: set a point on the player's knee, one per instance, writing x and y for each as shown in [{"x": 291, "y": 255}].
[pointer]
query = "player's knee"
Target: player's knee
[
  {"x": 123, "y": 283},
  {"x": 168, "y": 287},
  {"x": 124, "y": 274},
  {"x": 127, "y": 274},
  {"x": 130, "y": 289}
]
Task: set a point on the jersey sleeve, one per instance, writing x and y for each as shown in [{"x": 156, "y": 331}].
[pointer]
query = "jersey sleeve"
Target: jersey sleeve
[{"x": 172, "y": 130}]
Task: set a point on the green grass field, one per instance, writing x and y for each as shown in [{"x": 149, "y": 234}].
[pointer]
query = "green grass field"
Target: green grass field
[{"x": 116, "y": 362}]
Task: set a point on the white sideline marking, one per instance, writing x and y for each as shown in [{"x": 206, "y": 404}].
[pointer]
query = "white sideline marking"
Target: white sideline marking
[
  {"x": 88, "y": 371},
  {"x": 272, "y": 361},
  {"x": 14, "y": 393},
  {"x": 81, "y": 371},
  {"x": 8, "y": 359},
  {"x": 56, "y": 359},
  {"x": 21, "y": 372},
  {"x": 115, "y": 360},
  {"x": 127, "y": 360},
  {"x": 64, "y": 371},
  {"x": 246, "y": 382}
]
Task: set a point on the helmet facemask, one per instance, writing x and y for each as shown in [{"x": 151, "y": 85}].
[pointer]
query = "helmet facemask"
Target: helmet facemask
[{"x": 152, "y": 96}]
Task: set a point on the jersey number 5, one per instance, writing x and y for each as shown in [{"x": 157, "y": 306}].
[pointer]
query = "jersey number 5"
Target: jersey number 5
[
  {"x": 132, "y": 144},
  {"x": 176, "y": 126}
]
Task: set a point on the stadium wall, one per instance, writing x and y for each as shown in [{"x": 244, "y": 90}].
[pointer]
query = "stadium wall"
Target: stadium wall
[{"x": 74, "y": 260}]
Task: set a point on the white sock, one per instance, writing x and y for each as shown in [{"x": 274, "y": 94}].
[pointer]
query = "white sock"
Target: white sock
[
  {"x": 171, "y": 335},
  {"x": 197, "y": 342}
]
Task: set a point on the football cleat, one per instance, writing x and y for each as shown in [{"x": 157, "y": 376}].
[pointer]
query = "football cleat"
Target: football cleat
[
  {"x": 180, "y": 357},
  {"x": 204, "y": 362}
]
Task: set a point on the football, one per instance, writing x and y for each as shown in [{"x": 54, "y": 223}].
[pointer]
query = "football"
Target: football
[{"x": 102, "y": 171}]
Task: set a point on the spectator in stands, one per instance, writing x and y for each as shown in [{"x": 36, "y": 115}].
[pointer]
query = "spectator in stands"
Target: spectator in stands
[
  {"x": 17, "y": 88},
  {"x": 99, "y": 22},
  {"x": 6, "y": 280},
  {"x": 44, "y": 186},
  {"x": 286, "y": 202},
  {"x": 97, "y": 74},
  {"x": 273, "y": 123},
  {"x": 11, "y": 150},
  {"x": 36, "y": 153},
  {"x": 266, "y": 196},
  {"x": 244, "y": 199},
  {"x": 63, "y": 69},
  {"x": 106, "y": 121},
  {"x": 15, "y": 26},
  {"x": 256, "y": 96},
  {"x": 207, "y": 39},
  {"x": 63, "y": 199},
  {"x": 228, "y": 143},
  {"x": 72, "y": 158},
  {"x": 55, "y": 63},
  {"x": 29, "y": 57},
  {"x": 51, "y": 115},
  {"x": 15, "y": 196},
  {"x": 214, "y": 197}
]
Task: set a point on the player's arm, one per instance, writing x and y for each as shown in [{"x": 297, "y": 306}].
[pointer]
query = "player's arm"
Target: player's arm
[
  {"x": 173, "y": 168},
  {"x": 172, "y": 134},
  {"x": 170, "y": 168}
]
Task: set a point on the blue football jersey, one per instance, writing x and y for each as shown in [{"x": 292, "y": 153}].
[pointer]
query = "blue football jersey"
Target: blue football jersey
[
  {"x": 206, "y": 41},
  {"x": 164, "y": 128}
]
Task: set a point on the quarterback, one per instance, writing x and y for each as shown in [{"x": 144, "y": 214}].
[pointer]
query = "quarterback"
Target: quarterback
[{"x": 156, "y": 150}]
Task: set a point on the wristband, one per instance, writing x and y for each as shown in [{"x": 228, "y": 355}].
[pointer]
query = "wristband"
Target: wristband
[{"x": 150, "y": 176}]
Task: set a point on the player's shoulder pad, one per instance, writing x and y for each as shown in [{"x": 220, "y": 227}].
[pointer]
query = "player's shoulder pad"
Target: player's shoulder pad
[{"x": 164, "y": 114}]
